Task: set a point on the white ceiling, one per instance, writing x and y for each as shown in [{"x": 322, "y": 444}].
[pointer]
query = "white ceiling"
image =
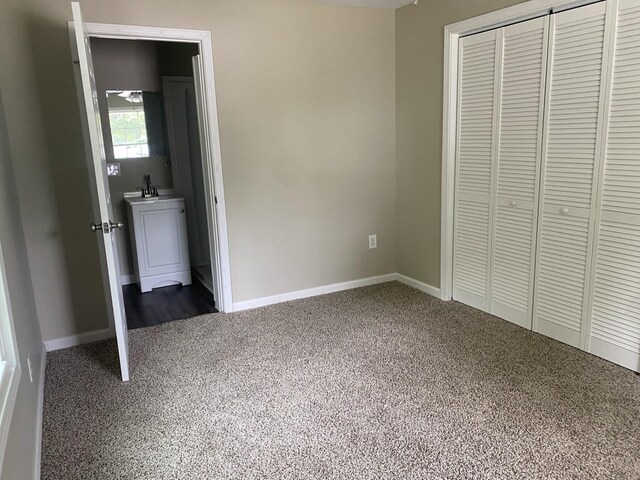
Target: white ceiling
[{"x": 373, "y": 3}]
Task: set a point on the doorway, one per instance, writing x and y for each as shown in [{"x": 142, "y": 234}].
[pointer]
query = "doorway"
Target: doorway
[
  {"x": 170, "y": 249},
  {"x": 150, "y": 132}
]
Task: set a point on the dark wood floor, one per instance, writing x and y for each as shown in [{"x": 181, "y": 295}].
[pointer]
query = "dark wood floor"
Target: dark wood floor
[{"x": 166, "y": 304}]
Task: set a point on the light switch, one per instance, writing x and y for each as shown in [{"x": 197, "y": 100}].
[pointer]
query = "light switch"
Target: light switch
[{"x": 113, "y": 169}]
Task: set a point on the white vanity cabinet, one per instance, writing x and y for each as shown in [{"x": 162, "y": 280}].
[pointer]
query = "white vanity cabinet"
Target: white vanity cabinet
[{"x": 159, "y": 243}]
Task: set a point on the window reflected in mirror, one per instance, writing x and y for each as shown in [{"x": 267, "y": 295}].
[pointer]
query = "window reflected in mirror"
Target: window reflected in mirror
[{"x": 128, "y": 124}]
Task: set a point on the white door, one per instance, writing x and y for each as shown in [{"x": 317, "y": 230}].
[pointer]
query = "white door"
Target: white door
[
  {"x": 615, "y": 309},
  {"x": 97, "y": 161},
  {"x": 477, "y": 113},
  {"x": 502, "y": 78},
  {"x": 207, "y": 175},
  {"x": 573, "y": 118},
  {"x": 515, "y": 206},
  {"x": 184, "y": 141}
]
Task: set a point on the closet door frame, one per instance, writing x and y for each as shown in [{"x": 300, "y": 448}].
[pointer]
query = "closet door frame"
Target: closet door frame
[{"x": 452, "y": 34}]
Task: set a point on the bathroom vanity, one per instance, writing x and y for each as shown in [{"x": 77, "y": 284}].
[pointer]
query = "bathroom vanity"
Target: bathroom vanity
[{"x": 159, "y": 244}]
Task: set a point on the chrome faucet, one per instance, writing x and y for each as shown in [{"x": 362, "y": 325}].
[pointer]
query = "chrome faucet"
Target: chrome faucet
[{"x": 149, "y": 190}]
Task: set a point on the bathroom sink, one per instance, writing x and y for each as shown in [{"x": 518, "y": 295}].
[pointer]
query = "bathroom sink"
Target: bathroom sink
[{"x": 146, "y": 200}]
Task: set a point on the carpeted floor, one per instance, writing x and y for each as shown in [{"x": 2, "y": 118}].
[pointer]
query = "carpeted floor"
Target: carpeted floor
[{"x": 382, "y": 382}]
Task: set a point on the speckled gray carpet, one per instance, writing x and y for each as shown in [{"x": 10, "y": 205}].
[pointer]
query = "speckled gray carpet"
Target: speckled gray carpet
[{"x": 382, "y": 382}]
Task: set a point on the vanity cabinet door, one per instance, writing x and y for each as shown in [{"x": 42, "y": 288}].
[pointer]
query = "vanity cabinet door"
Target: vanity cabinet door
[{"x": 162, "y": 249}]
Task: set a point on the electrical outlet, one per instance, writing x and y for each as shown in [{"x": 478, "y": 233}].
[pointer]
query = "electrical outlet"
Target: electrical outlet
[
  {"x": 373, "y": 241},
  {"x": 29, "y": 368}
]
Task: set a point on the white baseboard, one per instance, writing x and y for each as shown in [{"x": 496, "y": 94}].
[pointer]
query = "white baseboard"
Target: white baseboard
[
  {"x": 336, "y": 287},
  {"x": 38, "y": 456},
  {"x": 73, "y": 340},
  {"x": 97, "y": 335},
  {"x": 312, "y": 292},
  {"x": 127, "y": 279},
  {"x": 423, "y": 287}
]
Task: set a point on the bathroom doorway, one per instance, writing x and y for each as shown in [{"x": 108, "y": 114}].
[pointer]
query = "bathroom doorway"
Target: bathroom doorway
[
  {"x": 151, "y": 136},
  {"x": 167, "y": 247}
]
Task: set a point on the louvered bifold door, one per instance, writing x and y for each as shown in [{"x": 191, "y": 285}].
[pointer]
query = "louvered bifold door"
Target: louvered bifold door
[
  {"x": 521, "y": 97},
  {"x": 477, "y": 92},
  {"x": 615, "y": 308},
  {"x": 573, "y": 117}
]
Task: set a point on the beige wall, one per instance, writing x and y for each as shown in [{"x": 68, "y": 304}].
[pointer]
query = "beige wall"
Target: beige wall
[
  {"x": 21, "y": 445},
  {"x": 306, "y": 95},
  {"x": 419, "y": 71}
]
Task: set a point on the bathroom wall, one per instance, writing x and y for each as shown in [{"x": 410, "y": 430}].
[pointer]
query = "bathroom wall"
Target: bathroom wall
[
  {"x": 135, "y": 65},
  {"x": 175, "y": 58}
]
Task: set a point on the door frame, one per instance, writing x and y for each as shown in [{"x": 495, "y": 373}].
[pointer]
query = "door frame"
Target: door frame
[
  {"x": 452, "y": 33},
  {"x": 10, "y": 369},
  {"x": 214, "y": 179}
]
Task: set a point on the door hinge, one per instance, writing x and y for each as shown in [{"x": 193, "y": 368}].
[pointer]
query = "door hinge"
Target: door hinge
[{"x": 215, "y": 199}]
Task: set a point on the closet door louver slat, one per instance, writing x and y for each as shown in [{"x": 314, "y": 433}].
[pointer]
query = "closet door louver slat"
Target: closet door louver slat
[
  {"x": 518, "y": 162},
  {"x": 477, "y": 92},
  {"x": 615, "y": 309},
  {"x": 572, "y": 116}
]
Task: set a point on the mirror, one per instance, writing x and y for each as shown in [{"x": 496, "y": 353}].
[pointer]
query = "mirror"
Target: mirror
[{"x": 137, "y": 123}]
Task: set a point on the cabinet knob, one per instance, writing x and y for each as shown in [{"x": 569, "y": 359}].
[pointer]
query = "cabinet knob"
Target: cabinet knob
[
  {"x": 182, "y": 210},
  {"x": 564, "y": 211},
  {"x": 513, "y": 203}
]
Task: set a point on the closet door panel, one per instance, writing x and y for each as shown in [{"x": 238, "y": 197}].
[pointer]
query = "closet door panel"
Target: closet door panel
[
  {"x": 518, "y": 162},
  {"x": 615, "y": 316},
  {"x": 476, "y": 117},
  {"x": 572, "y": 120}
]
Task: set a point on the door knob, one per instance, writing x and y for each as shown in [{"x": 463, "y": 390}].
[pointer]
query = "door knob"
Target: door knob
[{"x": 106, "y": 227}]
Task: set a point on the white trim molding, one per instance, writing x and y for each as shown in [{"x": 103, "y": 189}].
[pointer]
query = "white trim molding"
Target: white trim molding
[
  {"x": 452, "y": 33},
  {"x": 79, "y": 339},
  {"x": 312, "y": 292},
  {"x": 38, "y": 456},
  {"x": 97, "y": 335},
  {"x": 335, "y": 287},
  {"x": 10, "y": 369},
  {"x": 127, "y": 279},
  {"x": 417, "y": 284},
  {"x": 202, "y": 38}
]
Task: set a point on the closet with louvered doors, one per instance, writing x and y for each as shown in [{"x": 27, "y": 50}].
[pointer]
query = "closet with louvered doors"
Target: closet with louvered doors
[
  {"x": 613, "y": 327},
  {"x": 500, "y": 118},
  {"x": 547, "y": 199}
]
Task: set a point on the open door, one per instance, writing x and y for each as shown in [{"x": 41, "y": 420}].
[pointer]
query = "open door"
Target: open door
[
  {"x": 207, "y": 175},
  {"x": 88, "y": 97}
]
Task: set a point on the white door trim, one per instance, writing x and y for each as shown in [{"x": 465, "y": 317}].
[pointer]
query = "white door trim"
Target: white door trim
[
  {"x": 10, "y": 369},
  {"x": 203, "y": 39},
  {"x": 452, "y": 33}
]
